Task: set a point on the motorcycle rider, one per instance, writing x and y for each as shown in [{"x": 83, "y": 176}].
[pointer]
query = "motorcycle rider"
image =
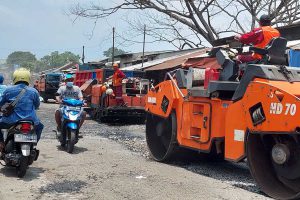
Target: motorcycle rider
[
  {"x": 26, "y": 106},
  {"x": 68, "y": 91}
]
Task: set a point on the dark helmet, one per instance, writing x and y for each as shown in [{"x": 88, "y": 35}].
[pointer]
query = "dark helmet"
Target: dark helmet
[
  {"x": 265, "y": 20},
  {"x": 1, "y": 79}
]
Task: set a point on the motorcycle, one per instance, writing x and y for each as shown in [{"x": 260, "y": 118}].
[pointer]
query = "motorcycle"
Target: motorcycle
[
  {"x": 20, "y": 147},
  {"x": 71, "y": 117}
]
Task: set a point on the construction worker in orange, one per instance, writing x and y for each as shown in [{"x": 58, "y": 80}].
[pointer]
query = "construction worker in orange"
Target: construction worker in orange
[
  {"x": 117, "y": 78},
  {"x": 258, "y": 37}
]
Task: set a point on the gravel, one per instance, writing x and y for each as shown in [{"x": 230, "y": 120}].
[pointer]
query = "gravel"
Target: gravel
[{"x": 133, "y": 138}]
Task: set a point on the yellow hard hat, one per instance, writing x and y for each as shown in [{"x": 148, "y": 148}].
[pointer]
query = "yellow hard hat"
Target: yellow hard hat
[{"x": 21, "y": 74}]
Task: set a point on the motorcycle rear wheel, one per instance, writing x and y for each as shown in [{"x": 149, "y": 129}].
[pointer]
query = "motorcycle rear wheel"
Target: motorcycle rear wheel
[{"x": 22, "y": 168}]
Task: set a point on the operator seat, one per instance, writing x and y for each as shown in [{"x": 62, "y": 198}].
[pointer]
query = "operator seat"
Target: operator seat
[{"x": 274, "y": 53}]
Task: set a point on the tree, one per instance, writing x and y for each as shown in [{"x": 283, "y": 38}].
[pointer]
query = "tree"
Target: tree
[
  {"x": 108, "y": 52},
  {"x": 192, "y": 22},
  {"x": 28, "y": 65},
  {"x": 40, "y": 66},
  {"x": 21, "y": 58},
  {"x": 55, "y": 59}
]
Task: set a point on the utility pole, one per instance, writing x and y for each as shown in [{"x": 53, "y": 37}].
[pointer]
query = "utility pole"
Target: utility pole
[
  {"x": 113, "y": 50},
  {"x": 83, "y": 56},
  {"x": 144, "y": 41}
]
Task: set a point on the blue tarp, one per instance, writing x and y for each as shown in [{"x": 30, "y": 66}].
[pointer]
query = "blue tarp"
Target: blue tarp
[{"x": 294, "y": 58}]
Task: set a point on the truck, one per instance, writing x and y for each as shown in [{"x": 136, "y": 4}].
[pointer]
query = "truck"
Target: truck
[{"x": 48, "y": 84}]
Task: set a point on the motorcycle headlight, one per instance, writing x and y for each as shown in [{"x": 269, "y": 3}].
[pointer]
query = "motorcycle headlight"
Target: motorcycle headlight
[{"x": 73, "y": 117}]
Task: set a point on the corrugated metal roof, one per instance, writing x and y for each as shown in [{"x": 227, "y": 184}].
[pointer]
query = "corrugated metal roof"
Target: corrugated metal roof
[
  {"x": 178, "y": 60},
  {"x": 56, "y": 69},
  {"x": 147, "y": 53},
  {"x": 156, "y": 62},
  {"x": 175, "y": 61},
  {"x": 145, "y": 65},
  {"x": 295, "y": 44},
  {"x": 202, "y": 62}
]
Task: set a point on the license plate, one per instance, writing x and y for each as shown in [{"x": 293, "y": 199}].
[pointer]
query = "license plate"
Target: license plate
[{"x": 25, "y": 138}]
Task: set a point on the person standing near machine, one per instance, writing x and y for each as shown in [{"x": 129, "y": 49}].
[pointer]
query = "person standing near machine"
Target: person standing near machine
[{"x": 117, "y": 78}]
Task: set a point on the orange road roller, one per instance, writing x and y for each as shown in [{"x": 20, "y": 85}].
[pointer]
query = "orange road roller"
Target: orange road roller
[{"x": 249, "y": 111}]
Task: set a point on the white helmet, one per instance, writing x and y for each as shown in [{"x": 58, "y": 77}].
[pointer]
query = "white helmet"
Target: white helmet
[
  {"x": 106, "y": 84},
  {"x": 109, "y": 91}
]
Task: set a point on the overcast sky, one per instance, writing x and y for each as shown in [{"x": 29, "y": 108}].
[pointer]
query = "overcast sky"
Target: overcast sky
[{"x": 42, "y": 26}]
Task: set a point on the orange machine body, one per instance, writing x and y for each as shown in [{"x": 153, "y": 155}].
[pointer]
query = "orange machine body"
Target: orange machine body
[
  {"x": 131, "y": 101},
  {"x": 203, "y": 120},
  {"x": 104, "y": 105},
  {"x": 236, "y": 112}
]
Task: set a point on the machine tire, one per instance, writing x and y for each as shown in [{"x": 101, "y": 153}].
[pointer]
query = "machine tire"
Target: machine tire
[
  {"x": 161, "y": 136},
  {"x": 71, "y": 140},
  {"x": 263, "y": 170},
  {"x": 22, "y": 168},
  {"x": 105, "y": 119}
]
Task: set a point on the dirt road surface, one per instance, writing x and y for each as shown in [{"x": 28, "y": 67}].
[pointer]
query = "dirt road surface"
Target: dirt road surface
[{"x": 112, "y": 162}]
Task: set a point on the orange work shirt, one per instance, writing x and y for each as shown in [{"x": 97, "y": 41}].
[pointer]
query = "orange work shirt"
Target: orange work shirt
[
  {"x": 268, "y": 34},
  {"x": 118, "y": 77}
]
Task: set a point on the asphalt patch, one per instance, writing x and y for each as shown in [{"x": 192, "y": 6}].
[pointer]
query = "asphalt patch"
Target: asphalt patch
[{"x": 65, "y": 186}]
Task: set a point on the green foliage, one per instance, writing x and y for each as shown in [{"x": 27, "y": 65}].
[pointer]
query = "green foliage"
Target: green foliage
[
  {"x": 21, "y": 58},
  {"x": 108, "y": 52},
  {"x": 29, "y": 61},
  {"x": 40, "y": 66},
  {"x": 55, "y": 59},
  {"x": 28, "y": 65}
]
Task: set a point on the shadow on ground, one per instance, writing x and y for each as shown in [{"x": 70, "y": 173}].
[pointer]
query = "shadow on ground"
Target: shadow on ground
[
  {"x": 31, "y": 174},
  {"x": 76, "y": 149}
]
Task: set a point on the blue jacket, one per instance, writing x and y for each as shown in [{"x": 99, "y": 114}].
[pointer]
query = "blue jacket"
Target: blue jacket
[
  {"x": 25, "y": 108},
  {"x": 2, "y": 89}
]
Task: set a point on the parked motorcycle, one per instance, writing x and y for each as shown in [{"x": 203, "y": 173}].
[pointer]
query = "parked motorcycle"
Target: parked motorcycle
[
  {"x": 71, "y": 117},
  {"x": 20, "y": 143}
]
